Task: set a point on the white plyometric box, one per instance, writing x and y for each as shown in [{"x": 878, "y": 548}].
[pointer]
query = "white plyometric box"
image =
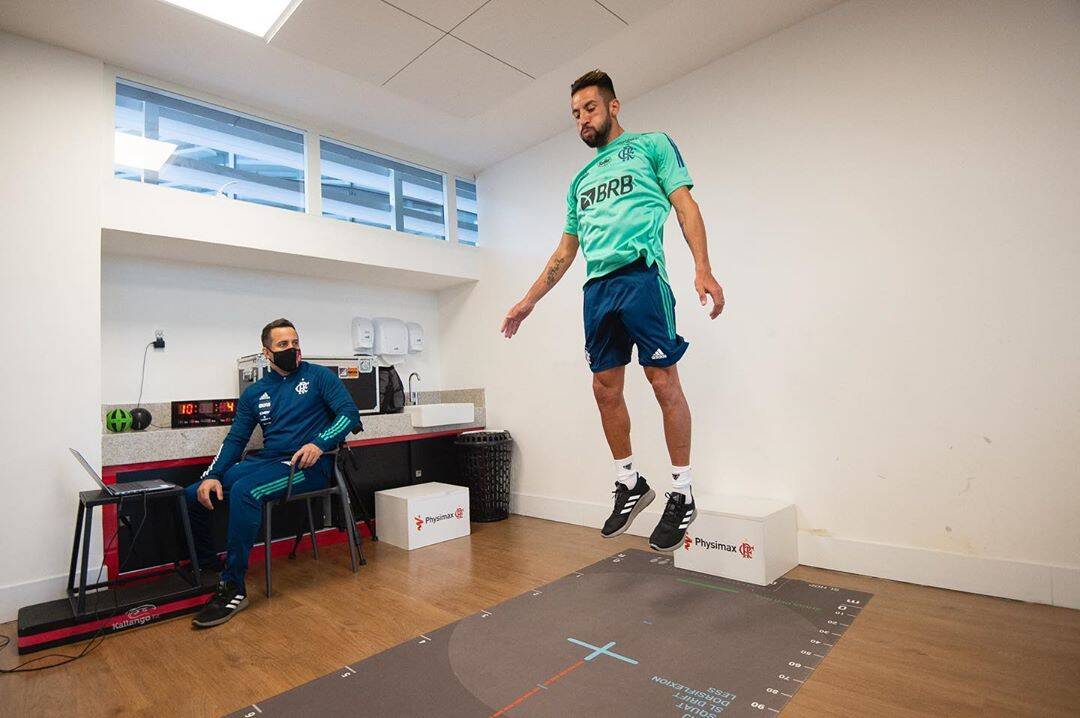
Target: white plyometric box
[
  {"x": 742, "y": 538},
  {"x": 413, "y": 516}
]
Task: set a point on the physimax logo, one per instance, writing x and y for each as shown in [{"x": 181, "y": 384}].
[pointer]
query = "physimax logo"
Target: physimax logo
[
  {"x": 422, "y": 521},
  {"x": 744, "y": 549},
  {"x": 605, "y": 190}
]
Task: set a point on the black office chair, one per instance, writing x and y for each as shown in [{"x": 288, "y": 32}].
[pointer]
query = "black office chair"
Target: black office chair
[{"x": 339, "y": 488}]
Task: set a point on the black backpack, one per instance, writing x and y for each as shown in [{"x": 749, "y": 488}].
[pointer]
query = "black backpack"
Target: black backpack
[{"x": 391, "y": 391}]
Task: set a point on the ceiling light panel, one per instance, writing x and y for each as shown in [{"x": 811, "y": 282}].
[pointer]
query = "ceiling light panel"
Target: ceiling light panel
[{"x": 257, "y": 17}]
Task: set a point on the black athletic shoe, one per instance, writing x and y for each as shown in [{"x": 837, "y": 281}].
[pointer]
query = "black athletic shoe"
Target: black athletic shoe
[
  {"x": 229, "y": 599},
  {"x": 628, "y": 504},
  {"x": 678, "y": 514}
]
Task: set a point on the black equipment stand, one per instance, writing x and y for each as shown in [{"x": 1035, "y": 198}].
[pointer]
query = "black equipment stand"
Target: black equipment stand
[{"x": 84, "y": 519}]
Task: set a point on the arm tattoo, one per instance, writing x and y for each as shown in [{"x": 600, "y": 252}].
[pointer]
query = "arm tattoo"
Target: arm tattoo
[{"x": 553, "y": 271}]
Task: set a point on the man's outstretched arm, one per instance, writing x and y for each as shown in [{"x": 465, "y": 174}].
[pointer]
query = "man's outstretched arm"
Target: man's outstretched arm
[
  {"x": 693, "y": 229},
  {"x": 560, "y": 261}
]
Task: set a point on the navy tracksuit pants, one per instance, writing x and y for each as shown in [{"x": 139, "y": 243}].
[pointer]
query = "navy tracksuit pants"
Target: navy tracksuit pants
[{"x": 247, "y": 486}]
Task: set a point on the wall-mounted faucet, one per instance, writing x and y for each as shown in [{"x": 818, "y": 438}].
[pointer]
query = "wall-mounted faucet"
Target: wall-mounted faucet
[{"x": 413, "y": 396}]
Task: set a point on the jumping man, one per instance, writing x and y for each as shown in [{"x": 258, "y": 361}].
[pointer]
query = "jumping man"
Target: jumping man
[{"x": 616, "y": 209}]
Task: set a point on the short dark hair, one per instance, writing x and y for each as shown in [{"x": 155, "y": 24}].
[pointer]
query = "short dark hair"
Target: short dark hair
[
  {"x": 595, "y": 78},
  {"x": 276, "y": 324}
]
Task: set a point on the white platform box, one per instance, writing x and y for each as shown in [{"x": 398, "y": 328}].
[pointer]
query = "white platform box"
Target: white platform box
[
  {"x": 413, "y": 516},
  {"x": 742, "y": 538}
]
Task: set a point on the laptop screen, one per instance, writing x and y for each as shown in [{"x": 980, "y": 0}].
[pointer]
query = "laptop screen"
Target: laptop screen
[{"x": 89, "y": 469}]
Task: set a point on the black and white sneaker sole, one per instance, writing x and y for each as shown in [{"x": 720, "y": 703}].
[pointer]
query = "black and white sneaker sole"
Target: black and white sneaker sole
[
  {"x": 218, "y": 621},
  {"x": 682, "y": 535},
  {"x": 645, "y": 500}
]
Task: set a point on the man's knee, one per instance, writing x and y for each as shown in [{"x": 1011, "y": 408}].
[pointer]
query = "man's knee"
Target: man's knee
[
  {"x": 665, "y": 384},
  {"x": 607, "y": 389}
]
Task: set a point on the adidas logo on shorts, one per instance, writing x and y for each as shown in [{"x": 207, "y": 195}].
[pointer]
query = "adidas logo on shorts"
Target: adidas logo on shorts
[{"x": 659, "y": 355}]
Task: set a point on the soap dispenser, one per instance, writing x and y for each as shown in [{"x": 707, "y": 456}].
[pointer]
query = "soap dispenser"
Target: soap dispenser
[
  {"x": 416, "y": 337},
  {"x": 363, "y": 335}
]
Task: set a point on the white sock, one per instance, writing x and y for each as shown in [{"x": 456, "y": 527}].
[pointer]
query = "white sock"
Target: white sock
[
  {"x": 680, "y": 481},
  {"x": 624, "y": 472}
]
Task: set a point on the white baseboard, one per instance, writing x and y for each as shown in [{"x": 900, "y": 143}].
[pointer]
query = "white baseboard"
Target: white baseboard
[
  {"x": 1004, "y": 578},
  {"x": 16, "y": 595},
  {"x": 581, "y": 513},
  {"x": 1021, "y": 580}
]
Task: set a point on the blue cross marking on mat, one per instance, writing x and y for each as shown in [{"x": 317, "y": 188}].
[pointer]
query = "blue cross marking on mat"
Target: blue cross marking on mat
[{"x": 601, "y": 651}]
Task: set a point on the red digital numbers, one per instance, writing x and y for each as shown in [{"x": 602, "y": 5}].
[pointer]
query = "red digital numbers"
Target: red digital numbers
[{"x": 210, "y": 412}]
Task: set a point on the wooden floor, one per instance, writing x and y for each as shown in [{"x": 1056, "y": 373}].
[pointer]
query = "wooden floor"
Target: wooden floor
[{"x": 914, "y": 651}]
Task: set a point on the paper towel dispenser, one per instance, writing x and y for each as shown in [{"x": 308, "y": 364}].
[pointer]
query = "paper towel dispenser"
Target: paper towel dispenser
[
  {"x": 391, "y": 339},
  {"x": 416, "y": 337}
]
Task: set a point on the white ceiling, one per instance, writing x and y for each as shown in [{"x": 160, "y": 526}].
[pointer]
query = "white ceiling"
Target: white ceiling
[{"x": 459, "y": 83}]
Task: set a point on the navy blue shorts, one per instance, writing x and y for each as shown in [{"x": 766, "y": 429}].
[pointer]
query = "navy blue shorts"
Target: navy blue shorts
[{"x": 632, "y": 305}]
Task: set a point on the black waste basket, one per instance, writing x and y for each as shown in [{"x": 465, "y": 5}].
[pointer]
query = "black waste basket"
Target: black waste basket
[{"x": 484, "y": 460}]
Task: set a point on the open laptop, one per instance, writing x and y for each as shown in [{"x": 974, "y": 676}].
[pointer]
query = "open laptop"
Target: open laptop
[{"x": 125, "y": 488}]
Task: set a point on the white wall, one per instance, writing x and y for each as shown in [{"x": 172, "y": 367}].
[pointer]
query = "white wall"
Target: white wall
[
  {"x": 50, "y": 139},
  {"x": 212, "y": 315},
  {"x": 891, "y": 195}
]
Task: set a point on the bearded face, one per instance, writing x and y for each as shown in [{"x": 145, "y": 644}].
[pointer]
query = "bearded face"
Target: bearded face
[
  {"x": 596, "y": 132},
  {"x": 594, "y": 115}
]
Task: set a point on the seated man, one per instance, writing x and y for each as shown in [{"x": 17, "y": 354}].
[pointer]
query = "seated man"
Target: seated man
[{"x": 304, "y": 410}]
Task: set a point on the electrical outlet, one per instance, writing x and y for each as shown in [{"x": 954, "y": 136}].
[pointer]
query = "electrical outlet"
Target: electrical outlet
[{"x": 159, "y": 338}]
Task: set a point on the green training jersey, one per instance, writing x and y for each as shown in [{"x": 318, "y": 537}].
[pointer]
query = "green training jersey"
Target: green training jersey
[{"x": 618, "y": 203}]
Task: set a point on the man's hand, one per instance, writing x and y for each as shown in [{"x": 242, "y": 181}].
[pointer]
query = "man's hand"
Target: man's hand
[
  {"x": 515, "y": 317},
  {"x": 306, "y": 456},
  {"x": 705, "y": 284},
  {"x": 203, "y": 493}
]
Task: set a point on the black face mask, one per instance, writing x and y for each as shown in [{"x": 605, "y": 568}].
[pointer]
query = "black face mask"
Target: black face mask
[{"x": 287, "y": 359}]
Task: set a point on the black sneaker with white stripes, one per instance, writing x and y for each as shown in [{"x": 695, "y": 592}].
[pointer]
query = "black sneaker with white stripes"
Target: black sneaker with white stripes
[
  {"x": 628, "y": 504},
  {"x": 227, "y": 601},
  {"x": 679, "y": 513}
]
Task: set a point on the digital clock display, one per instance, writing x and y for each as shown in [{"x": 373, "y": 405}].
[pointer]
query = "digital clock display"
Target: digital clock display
[{"x": 203, "y": 412}]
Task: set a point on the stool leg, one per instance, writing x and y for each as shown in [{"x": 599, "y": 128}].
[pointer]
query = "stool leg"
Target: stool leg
[
  {"x": 267, "y": 510},
  {"x": 311, "y": 527},
  {"x": 75, "y": 547},
  {"x": 87, "y": 524},
  {"x": 190, "y": 541}
]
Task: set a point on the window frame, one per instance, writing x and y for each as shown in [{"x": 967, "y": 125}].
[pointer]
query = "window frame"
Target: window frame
[
  {"x": 457, "y": 209},
  {"x": 397, "y": 210},
  {"x": 213, "y": 107}
]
